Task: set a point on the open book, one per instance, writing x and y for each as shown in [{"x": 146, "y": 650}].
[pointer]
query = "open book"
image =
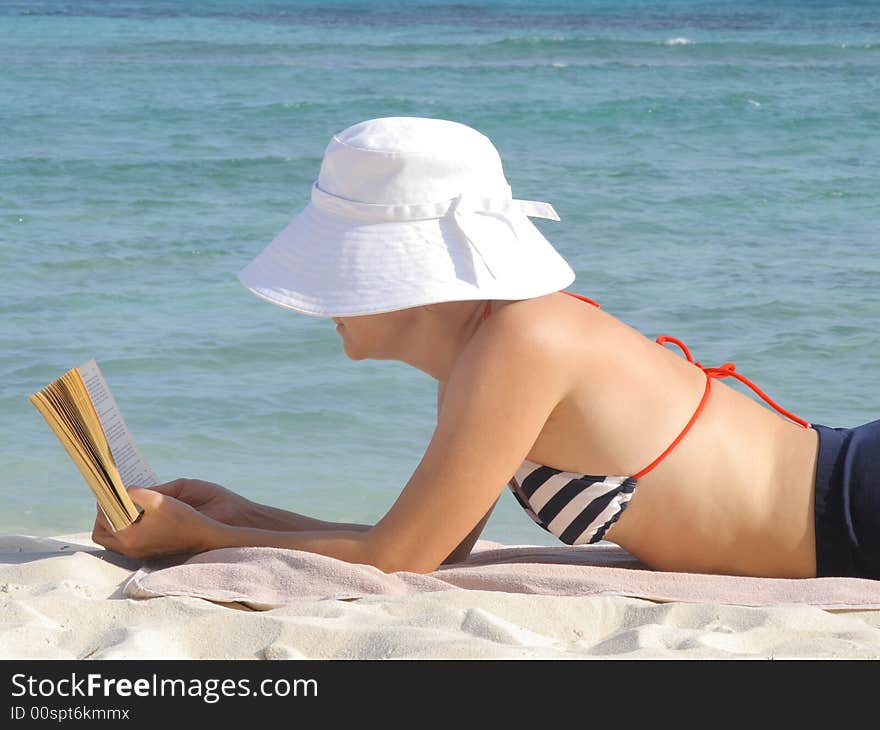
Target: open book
[{"x": 81, "y": 411}]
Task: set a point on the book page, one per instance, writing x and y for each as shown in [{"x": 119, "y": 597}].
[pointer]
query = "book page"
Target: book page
[{"x": 133, "y": 468}]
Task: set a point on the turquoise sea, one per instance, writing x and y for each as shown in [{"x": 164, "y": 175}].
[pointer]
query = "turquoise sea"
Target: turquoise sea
[{"x": 716, "y": 166}]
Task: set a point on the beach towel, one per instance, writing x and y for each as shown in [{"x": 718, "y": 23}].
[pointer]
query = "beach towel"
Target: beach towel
[{"x": 264, "y": 578}]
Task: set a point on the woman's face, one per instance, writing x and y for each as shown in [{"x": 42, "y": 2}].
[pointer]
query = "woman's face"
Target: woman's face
[{"x": 375, "y": 336}]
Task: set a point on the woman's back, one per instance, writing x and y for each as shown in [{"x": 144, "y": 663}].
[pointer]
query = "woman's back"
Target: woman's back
[{"x": 733, "y": 496}]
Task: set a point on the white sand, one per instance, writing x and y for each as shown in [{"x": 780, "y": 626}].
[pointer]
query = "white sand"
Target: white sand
[{"x": 59, "y": 598}]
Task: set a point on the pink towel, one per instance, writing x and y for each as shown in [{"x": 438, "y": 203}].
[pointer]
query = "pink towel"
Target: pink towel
[{"x": 267, "y": 577}]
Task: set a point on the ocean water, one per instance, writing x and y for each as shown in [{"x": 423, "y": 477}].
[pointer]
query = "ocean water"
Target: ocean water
[{"x": 716, "y": 166}]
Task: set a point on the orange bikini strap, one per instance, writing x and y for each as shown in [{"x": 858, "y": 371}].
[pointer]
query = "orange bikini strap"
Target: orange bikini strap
[
  {"x": 728, "y": 369},
  {"x": 638, "y": 475}
]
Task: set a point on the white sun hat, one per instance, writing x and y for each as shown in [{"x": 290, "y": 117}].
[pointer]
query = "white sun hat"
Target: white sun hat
[{"x": 408, "y": 211}]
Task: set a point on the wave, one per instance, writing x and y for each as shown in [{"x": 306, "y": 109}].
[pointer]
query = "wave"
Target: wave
[{"x": 360, "y": 51}]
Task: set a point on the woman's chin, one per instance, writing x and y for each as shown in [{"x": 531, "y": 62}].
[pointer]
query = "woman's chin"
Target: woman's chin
[{"x": 351, "y": 352}]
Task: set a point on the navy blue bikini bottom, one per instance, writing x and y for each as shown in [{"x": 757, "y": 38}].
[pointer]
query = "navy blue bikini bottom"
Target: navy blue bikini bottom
[{"x": 847, "y": 502}]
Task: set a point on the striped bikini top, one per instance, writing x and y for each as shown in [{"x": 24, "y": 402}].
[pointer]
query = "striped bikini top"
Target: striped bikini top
[{"x": 580, "y": 508}]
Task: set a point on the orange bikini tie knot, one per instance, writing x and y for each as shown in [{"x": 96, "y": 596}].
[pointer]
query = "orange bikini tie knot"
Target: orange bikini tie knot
[{"x": 728, "y": 369}]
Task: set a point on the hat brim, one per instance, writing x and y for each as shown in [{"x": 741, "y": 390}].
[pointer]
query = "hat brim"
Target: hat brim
[{"x": 323, "y": 265}]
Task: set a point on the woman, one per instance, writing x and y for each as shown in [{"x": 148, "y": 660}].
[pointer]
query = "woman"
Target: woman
[{"x": 414, "y": 247}]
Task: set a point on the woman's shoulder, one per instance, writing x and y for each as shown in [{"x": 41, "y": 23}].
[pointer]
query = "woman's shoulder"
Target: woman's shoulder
[
  {"x": 542, "y": 338},
  {"x": 552, "y": 323}
]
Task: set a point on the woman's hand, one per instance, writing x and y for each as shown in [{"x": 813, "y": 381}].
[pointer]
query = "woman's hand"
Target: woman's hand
[
  {"x": 166, "y": 526},
  {"x": 210, "y": 499}
]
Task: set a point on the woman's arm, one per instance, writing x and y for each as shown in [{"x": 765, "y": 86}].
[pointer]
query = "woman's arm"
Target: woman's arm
[
  {"x": 465, "y": 546},
  {"x": 224, "y": 505},
  {"x": 264, "y": 518},
  {"x": 267, "y": 517},
  {"x": 497, "y": 400}
]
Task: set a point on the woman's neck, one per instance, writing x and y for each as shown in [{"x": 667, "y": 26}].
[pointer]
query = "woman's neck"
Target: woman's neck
[{"x": 444, "y": 336}]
